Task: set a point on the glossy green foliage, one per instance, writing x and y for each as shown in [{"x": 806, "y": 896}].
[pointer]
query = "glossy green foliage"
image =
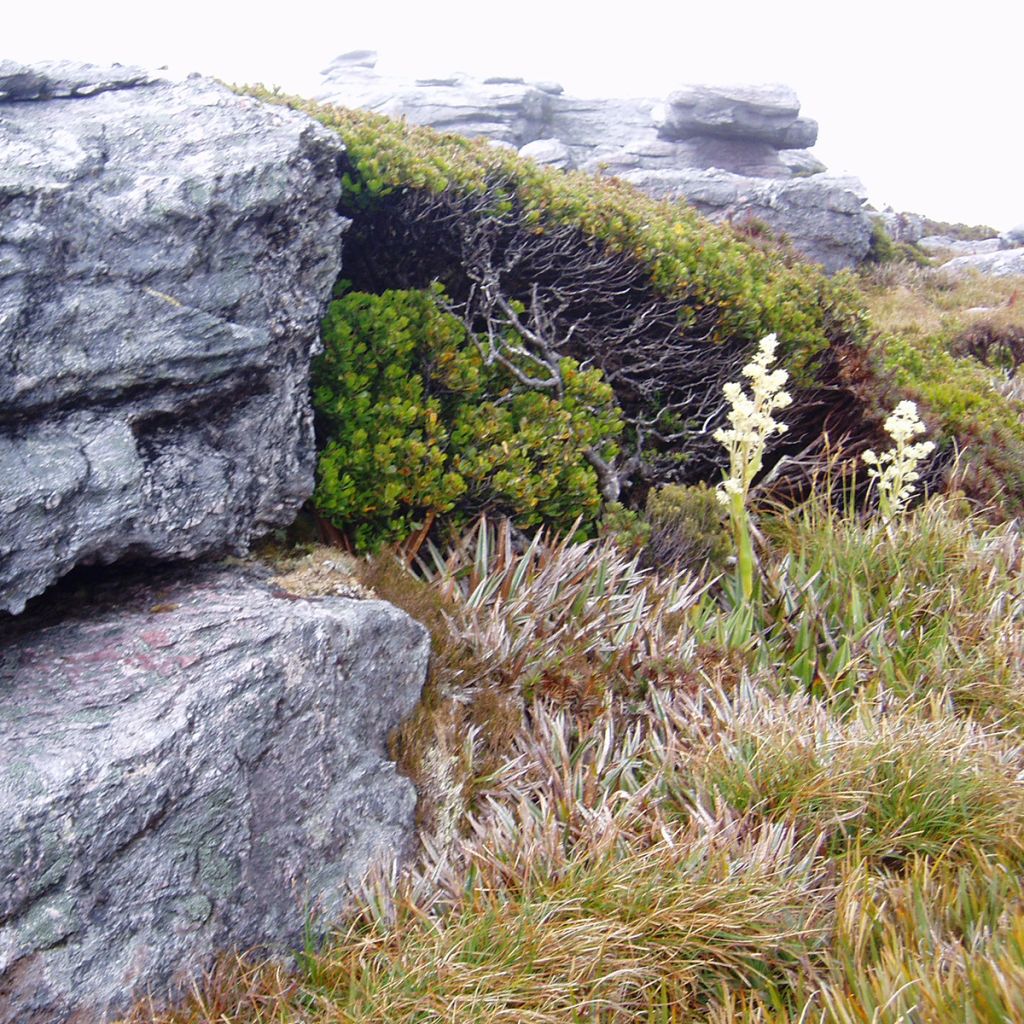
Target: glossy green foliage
[
  {"x": 740, "y": 290},
  {"x": 417, "y": 425}
]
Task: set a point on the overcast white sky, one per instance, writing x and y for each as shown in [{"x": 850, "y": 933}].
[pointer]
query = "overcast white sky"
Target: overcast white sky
[{"x": 921, "y": 100}]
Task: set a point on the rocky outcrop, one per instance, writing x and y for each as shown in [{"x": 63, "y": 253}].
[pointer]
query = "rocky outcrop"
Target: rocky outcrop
[
  {"x": 901, "y": 226},
  {"x": 166, "y": 251},
  {"x": 503, "y": 109},
  {"x": 958, "y": 246},
  {"x": 747, "y": 145},
  {"x": 1012, "y": 239},
  {"x": 1006, "y": 263},
  {"x": 188, "y": 764},
  {"x": 758, "y": 113},
  {"x": 821, "y": 216}
]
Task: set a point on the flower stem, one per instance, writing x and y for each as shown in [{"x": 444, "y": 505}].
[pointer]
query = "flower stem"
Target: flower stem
[{"x": 744, "y": 547}]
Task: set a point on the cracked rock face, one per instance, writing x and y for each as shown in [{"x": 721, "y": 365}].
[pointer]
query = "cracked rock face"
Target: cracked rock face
[
  {"x": 166, "y": 252},
  {"x": 188, "y": 764}
]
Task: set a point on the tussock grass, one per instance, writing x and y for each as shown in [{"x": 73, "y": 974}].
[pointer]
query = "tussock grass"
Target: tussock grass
[
  {"x": 908, "y": 300},
  {"x": 933, "y": 603},
  {"x": 823, "y": 825}
]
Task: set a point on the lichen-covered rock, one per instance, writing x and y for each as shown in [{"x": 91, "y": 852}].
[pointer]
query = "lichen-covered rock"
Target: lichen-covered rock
[
  {"x": 188, "y": 765},
  {"x": 166, "y": 252}
]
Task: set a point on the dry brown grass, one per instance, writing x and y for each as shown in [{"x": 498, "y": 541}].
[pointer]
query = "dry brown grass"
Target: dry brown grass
[{"x": 922, "y": 301}]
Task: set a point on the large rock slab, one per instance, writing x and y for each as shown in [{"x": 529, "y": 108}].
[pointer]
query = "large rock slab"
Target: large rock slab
[
  {"x": 823, "y": 217},
  {"x": 1007, "y": 263},
  {"x": 704, "y": 152},
  {"x": 188, "y": 765},
  {"x": 958, "y": 246},
  {"x": 761, "y": 113},
  {"x": 166, "y": 252}
]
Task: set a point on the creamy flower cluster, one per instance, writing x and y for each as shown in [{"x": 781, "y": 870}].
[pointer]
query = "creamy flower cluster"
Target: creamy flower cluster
[
  {"x": 896, "y": 470},
  {"x": 751, "y": 421}
]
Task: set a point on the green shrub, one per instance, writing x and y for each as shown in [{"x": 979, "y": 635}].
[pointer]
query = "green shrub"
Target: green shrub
[
  {"x": 688, "y": 528},
  {"x": 417, "y": 425},
  {"x": 962, "y": 395},
  {"x": 665, "y": 303},
  {"x": 884, "y": 249},
  {"x": 962, "y": 232}
]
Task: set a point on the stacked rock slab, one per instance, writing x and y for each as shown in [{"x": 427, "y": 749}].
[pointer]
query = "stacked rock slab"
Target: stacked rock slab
[
  {"x": 192, "y": 760},
  {"x": 735, "y": 153},
  {"x": 189, "y": 765},
  {"x": 166, "y": 249}
]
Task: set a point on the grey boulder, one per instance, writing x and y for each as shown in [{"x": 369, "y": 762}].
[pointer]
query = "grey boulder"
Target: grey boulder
[
  {"x": 760, "y": 113},
  {"x": 823, "y": 217},
  {"x": 189, "y": 765},
  {"x": 166, "y": 252},
  {"x": 801, "y": 163},
  {"x": 1006, "y": 263},
  {"x": 549, "y": 152},
  {"x": 1014, "y": 238}
]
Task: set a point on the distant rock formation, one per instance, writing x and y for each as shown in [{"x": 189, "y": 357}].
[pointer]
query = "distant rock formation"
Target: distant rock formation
[
  {"x": 189, "y": 764},
  {"x": 735, "y": 153},
  {"x": 167, "y": 252},
  {"x": 1005, "y": 263}
]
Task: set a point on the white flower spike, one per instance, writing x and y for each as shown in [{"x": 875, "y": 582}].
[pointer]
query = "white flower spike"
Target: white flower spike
[
  {"x": 750, "y": 420},
  {"x": 895, "y": 471}
]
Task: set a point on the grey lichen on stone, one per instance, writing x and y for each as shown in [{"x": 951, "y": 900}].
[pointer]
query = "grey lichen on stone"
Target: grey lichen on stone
[
  {"x": 168, "y": 251},
  {"x": 190, "y": 781}
]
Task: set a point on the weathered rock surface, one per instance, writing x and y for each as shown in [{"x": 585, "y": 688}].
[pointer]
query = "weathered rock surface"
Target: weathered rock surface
[
  {"x": 698, "y": 135},
  {"x": 550, "y": 152},
  {"x": 506, "y": 109},
  {"x": 188, "y": 765},
  {"x": 959, "y": 246},
  {"x": 1006, "y": 263},
  {"x": 1014, "y": 238},
  {"x": 760, "y": 113},
  {"x": 166, "y": 251},
  {"x": 823, "y": 217}
]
